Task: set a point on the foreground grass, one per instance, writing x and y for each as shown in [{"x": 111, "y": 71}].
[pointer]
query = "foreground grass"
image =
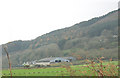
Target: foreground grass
[{"x": 109, "y": 68}]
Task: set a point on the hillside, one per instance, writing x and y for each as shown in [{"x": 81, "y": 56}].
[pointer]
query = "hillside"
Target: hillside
[{"x": 93, "y": 38}]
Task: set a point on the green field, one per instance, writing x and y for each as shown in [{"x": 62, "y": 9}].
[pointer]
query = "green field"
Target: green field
[{"x": 76, "y": 70}]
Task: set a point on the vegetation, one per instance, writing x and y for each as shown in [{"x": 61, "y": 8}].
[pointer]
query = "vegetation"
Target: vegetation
[
  {"x": 90, "y": 69},
  {"x": 95, "y": 38}
]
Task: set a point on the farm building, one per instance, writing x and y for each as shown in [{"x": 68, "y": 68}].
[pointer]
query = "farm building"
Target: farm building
[
  {"x": 29, "y": 64},
  {"x": 50, "y": 60}
]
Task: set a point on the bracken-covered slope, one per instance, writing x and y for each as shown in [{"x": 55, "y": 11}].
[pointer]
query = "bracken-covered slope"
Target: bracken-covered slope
[{"x": 95, "y": 37}]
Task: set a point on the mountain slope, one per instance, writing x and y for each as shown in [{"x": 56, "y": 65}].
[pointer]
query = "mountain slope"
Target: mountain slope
[{"x": 83, "y": 38}]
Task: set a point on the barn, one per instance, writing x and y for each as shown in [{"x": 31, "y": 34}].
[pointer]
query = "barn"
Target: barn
[{"x": 48, "y": 61}]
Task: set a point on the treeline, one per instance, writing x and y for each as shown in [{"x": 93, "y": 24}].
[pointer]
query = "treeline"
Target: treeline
[{"x": 97, "y": 37}]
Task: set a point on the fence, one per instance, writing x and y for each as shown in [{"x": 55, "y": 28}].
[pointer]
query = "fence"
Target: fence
[{"x": 30, "y": 73}]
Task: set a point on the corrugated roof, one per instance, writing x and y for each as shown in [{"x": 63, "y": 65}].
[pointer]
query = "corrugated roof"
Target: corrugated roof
[
  {"x": 52, "y": 58},
  {"x": 47, "y": 59}
]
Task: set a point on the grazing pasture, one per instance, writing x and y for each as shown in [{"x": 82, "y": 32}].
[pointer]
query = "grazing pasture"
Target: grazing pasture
[{"x": 91, "y": 69}]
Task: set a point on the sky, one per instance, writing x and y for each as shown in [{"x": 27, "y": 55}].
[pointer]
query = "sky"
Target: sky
[{"x": 28, "y": 19}]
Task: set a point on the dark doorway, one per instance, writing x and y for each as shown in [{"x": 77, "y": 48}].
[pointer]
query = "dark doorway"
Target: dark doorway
[{"x": 57, "y": 60}]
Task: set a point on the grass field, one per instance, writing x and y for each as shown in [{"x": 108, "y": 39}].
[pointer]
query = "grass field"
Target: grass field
[{"x": 110, "y": 68}]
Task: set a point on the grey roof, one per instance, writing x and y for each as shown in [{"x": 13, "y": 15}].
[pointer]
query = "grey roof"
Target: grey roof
[
  {"x": 47, "y": 59},
  {"x": 52, "y": 58}
]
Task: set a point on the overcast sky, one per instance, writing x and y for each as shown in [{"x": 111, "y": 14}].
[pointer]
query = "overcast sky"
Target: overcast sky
[{"x": 28, "y": 19}]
